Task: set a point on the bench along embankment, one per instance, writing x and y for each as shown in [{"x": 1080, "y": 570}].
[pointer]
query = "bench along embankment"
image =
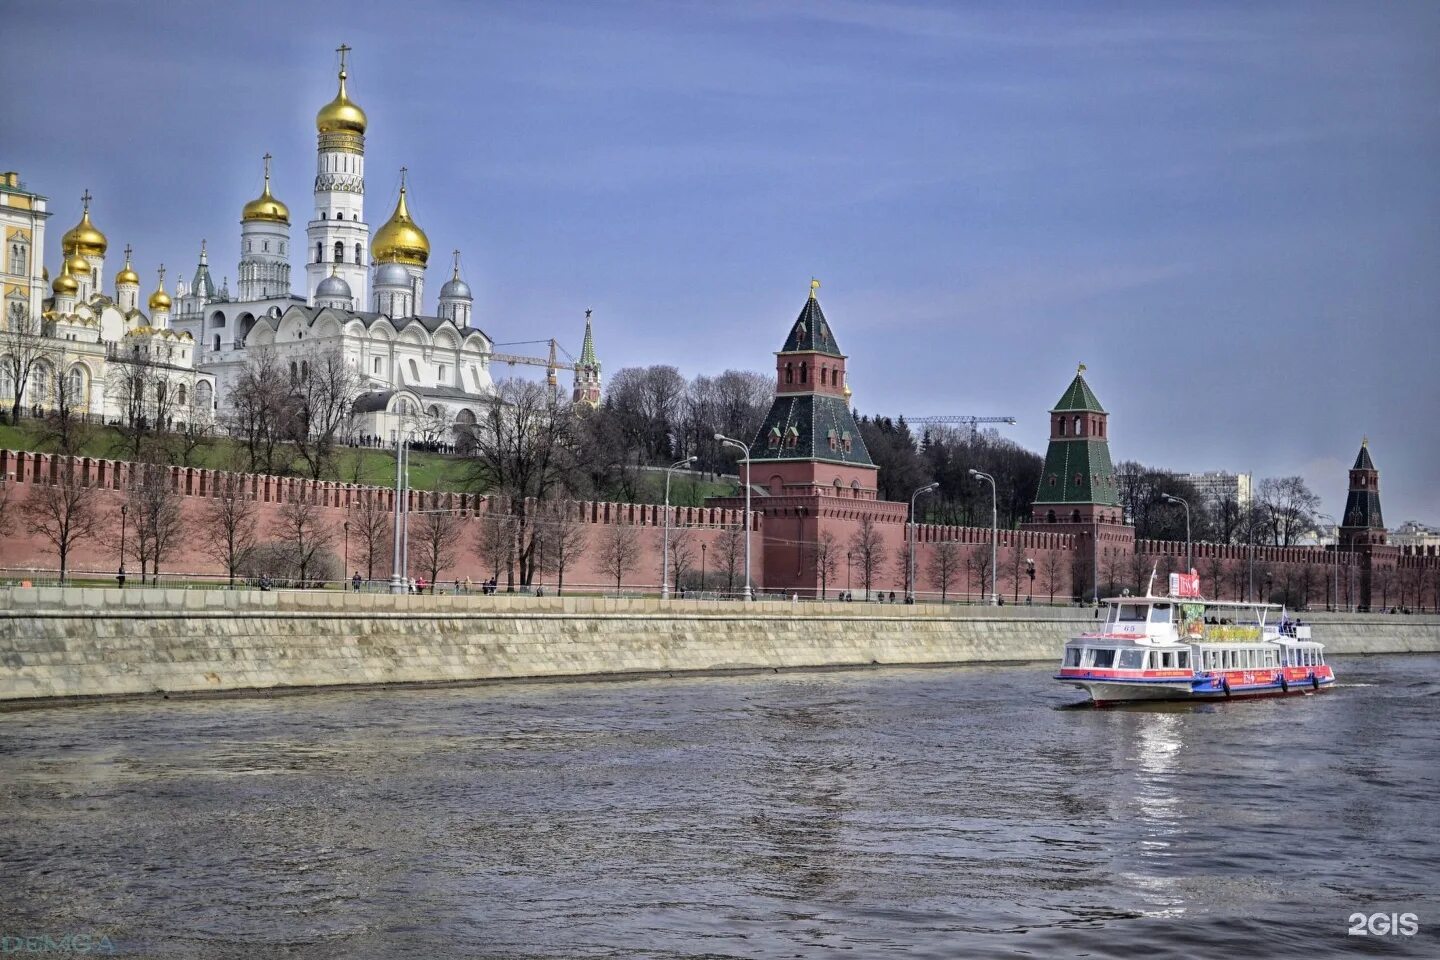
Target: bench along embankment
[{"x": 106, "y": 642}]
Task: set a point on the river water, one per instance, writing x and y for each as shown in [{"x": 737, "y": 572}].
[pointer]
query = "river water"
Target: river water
[{"x": 948, "y": 812}]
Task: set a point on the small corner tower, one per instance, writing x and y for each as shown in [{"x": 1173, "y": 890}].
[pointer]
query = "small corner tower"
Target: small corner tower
[
  {"x": 338, "y": 235},
  {"x": 1077, "y": 484},
  {"x": 1363, "y": 524},
  {"x": 160, "y": 304},
  {"x": 587, "y": 370},
  {"x": 127, "y": 286},
  {"x": 264, "y": 246}
]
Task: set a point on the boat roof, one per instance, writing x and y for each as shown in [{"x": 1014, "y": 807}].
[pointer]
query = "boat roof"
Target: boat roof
[{"x": 1239, "y": 604}]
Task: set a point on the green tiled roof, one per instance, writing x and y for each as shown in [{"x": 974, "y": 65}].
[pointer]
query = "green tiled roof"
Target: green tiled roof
[
  {"x": 801, "y": 426},
  {"x": 1083, "y": 457},
  {"x": 811, "y": 332},
  {"x": 1079, "y": 397}
]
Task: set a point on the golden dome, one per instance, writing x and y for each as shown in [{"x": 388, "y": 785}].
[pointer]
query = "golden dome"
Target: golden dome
[
  {"x": 160, "y": 300},
  {"x": 83, "y": 238},
  {"x": 341, "y": 115},
  {"x": 79, "y": 266},
  {"x": 127, "y": 273},
  {"x": 400, "y": 240},
  {"x": 65, "y": 284},
  {"x": 265, "y": 206}
]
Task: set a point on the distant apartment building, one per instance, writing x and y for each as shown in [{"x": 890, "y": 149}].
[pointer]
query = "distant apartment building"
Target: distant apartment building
[{"x": 1219, "y": 486}]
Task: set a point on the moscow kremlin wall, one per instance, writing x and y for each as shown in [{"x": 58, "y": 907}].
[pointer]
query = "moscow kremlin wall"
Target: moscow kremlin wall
[{"x": 814, "y": 493}]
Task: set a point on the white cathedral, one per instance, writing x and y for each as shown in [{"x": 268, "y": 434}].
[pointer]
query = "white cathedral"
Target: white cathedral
[{"x": 365, "y": 294}]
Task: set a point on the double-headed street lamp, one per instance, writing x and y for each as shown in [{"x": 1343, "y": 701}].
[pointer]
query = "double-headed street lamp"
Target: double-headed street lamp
[
  {"x": 1170, "y": 498},
  {"x": 120, "y": 574},
  {"x": 729, "y": 442},
  {"x": 665, "y": 563},
  {"x": 1336, "y": 564},
  {"x": 910, "y": 565},
  {"x": 994, "y": 530}
]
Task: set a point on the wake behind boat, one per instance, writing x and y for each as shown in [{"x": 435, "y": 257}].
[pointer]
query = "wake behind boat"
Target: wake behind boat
[{"x": 1184, "y": 647}]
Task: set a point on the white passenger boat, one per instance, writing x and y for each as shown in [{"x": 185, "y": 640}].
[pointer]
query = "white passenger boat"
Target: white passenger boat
[{"x": 1184, "y": 647}]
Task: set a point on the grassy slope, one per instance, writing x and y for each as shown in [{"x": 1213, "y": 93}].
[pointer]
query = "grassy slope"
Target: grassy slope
[{"x": 428, "y": 471}]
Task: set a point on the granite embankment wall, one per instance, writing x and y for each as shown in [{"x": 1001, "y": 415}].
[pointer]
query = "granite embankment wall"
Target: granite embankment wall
[{"x": 77, "y": 643}]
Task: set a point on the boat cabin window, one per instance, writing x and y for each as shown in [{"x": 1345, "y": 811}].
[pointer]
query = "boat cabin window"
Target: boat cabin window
[
  {"x": 1160, "y": 613},
  {"x": 1132, "y": 660},
  {"x": 1182, "y": 659},
  {"x": 1072, "y": 656},
  {"x": 1129, "y": 613},
  {"x": 1102, "y": 658},
  {"x": 1269, "y": 660}
]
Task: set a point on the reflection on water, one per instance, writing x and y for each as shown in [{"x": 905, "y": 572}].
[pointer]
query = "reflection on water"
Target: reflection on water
[{"x": 929, "y": 813}]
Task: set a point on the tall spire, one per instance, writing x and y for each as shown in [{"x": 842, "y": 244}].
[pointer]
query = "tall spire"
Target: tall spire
[
  {"x": 1363, "y": 522},
  {"x": 587, "y": 348},
  {"x": 587, "y": 370}
]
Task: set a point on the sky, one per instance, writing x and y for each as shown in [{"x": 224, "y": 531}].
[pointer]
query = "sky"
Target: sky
[{"x": 1228, "y": 211}]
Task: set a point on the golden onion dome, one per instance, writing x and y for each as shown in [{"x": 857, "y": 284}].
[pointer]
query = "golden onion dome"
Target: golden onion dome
[
  {"x": 400, "y": 240},
  {"x": 79, "y": 266},
  {"x": 65, "y": 284},
  {"x": 84, "y": 238},
  {"x": 127, "y": 273},
  {"x": 160, "y": 300},
  {"x": 341, "y": 115},
  {"x": 265, "y": 206}
]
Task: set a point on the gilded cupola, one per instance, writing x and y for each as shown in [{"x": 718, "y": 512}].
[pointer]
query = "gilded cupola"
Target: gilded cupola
[
  {"x": 127, "y": 273},
  {"x": 400, "y": 240},
  {"x": 160, "y": 300},
  {"x": 84, "y": 239},
  {"x": 341, "y": 115},
  {"x": 266, "y": 206},
  {"x": 65, "y": 285}
]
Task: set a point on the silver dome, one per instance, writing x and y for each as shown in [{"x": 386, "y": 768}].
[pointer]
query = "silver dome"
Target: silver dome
[
  {"x": 333, "y": 288},
  {"x": 392, "y": 275},
  {"x": 456, "y": 288}
]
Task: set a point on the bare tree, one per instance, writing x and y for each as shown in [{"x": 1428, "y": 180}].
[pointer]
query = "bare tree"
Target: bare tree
[
  {"x": 259, "y": 412},
  {"x": 440, "y": 533},
  {"x": 495, "y": 544},
  {"x": 370, "y": 523},
  {"x": 229, "y": 520},
  {"x": 322, "y": 395},
  {"x": 63, "y": 513},
  {"x": 141, "y": 384},
  {"x": 1013, "y": 567},
  {"x": 1050, "y": 567},
  {"x": 23, "y": 345},
  {"x": 682, "y": 556},
  {"x": 826, "y": 556},
  {"x": 562, "y": 537},
  {"x": 67, "y": 426},
  {"x": 192, "y": 429},
  {"x": 524, "y": 448},
  {"x": 1214, "y": 576},
  {"x": 944, "y": 567},
  {"x": 1288, "y": 508},
  {"x": 304, "y": 534},
  {"x": 620, "y": 550},
  {"x": 869, "y": 551},
  {"x": 154, "y": 507},
  {"x": 730, "y": 553},
  {"x": 980, "y": 570}
]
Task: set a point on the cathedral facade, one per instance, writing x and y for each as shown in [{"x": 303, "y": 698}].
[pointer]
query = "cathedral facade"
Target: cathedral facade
[{"x": 364, "y": 296}]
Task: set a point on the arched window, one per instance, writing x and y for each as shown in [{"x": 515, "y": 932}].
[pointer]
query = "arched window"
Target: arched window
[
  {"x": 414, "y": 371},
  {"x": 180, "y": 394},
  {"x": 1079, "y": 430},
  {"x": 75, "y": 388},
  {"x": 1050, "y": 516},
  {"x": 804, "y": 372},
  {"x": 217, "y": 343},
  {"x": 824, "y": 375},
  {"x": 1062, "y": 426},
  {"x": 282, "y": 248},
  {"x": 1075, "y": 517},
  {"x": 19, "y": 258},
  {"x": 789, "y": 373},
  {"x": 320, "y": 249},
  {"x": 358, "y": 250},
  {"x": 339, "y": 251}
]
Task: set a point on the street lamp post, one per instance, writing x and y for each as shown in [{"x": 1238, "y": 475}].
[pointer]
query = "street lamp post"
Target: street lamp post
[
  {"x": 1189, "y": 561},
  {"x": 345, "y": 572},
  {"x": 910, "y": 564},
  {"x": 728, "y": 442},
  {"x": 665, "y": 562},
  {"x": 1335, "y": 562},
  {"x": 400, "y": 543},
  {"x": 120, "y": 574},
  {"x": 994, "y": 530},
  {"x": 849, "y": 584},
  {"x": 1030, "y": 570},
  {"x": 702, "y": 566}
]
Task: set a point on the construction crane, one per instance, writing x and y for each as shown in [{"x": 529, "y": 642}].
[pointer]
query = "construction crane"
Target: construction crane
[
  {"x": 551, "y": 362},
  {"x": 972, "y": 422}
]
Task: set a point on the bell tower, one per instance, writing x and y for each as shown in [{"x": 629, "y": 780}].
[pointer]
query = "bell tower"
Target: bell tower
[
  {"x": 1363, "y": 524},
  {"x": 338, "y": 236}
]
